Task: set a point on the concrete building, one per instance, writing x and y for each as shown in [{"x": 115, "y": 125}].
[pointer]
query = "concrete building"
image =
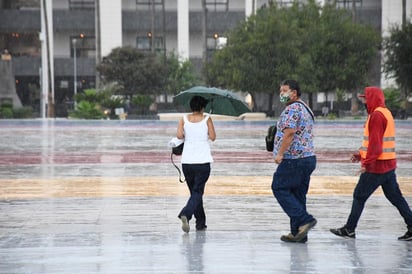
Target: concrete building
[{"x": 82, "y": 32}]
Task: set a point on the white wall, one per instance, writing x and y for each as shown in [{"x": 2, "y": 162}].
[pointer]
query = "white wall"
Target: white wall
[
  {"x": 196, "y": 44},
  {"x": 183, "y": 38},
  {"x": 250, "y": 7},
  {"x": 61, "y": 45},
  {"x": 392, "y": 14},
  {"x": 110, "y": 25},
  {"x": 60, "y": 4},
  {"x": 129, "y": 4}
]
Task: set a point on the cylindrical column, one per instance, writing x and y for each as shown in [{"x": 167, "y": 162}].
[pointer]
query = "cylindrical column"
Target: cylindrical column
[
  {"x": 250, "y": 7},
  {"x": 183, "y": 29}
]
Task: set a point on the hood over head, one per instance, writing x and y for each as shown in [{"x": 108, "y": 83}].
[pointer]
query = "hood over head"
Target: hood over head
[{"x": 374, "y": 98}]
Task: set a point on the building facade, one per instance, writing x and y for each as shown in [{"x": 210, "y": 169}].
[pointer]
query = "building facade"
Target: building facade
[{"x": 82, "y": 32}]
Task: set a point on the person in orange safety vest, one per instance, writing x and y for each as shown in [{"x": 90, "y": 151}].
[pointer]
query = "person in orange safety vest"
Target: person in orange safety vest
[{"x": 378, "y": 163}]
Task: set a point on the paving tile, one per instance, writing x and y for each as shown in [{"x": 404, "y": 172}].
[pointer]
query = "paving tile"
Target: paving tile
[{"x": 103, "y": 197}]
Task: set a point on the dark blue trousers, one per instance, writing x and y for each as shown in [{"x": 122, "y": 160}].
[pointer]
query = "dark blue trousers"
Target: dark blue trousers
[
  {"x": 196, "y": 176},
  {"x": 290, "y": 185},
  {"x": 367, "y": 184}
]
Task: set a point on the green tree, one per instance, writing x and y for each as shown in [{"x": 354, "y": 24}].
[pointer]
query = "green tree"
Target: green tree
[
  {"x": 398, "y": 56},
  {"x": 134, "y": 71},
  {"x": 392, "y": 100},
  {"x": 260, "y": 51},
  {"x": 180, "y": 75},
  {"x": 343, "y": 53},
  {"x": 320, "y": 47}
]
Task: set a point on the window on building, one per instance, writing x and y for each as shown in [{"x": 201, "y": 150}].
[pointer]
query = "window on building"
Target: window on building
[
  {"x": 214, "y": 43},
  {"x": 143, "y": 43},
  {"x": 23, "y": 44},
  {"x": 348, "y": 3},
  {"x": 147, "y": 4},
  {"x": 19, "y": 4},
  {"x": 285, "y": 3},
  {"x": 211, "y": 43},
  {"x": 217, "y": 5},
  {"x": 81, "y": 4},
  {"x": 85, "y": 47}
]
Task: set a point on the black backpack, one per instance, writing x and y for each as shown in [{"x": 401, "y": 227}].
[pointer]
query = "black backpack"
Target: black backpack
[{"x": 270, "y": 137}]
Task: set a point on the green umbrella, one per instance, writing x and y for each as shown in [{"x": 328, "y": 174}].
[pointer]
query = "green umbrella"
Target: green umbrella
[{"x": 221, "y": 101}]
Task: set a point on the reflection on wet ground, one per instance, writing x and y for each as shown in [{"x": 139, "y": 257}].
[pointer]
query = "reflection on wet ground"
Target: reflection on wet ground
[{"x": 103, "y": 197}]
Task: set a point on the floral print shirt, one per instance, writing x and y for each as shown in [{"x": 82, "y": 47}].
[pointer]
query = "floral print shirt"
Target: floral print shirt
[{"x": 295, "y": 116}]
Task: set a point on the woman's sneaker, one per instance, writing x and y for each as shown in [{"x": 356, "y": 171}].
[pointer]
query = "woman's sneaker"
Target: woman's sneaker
[
  {"x": 185, "y": 224},
  {"x": 343, "y": 232},
  {"x": 407, "y": 236}
]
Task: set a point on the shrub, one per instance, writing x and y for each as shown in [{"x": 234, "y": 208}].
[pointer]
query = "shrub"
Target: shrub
[
  {"x": 332, "y": 116},
  {"x": 87, "y": 110},
  {"x": 6, "y": 113},
  {"x": 142, "y": 102},
  {"x": 392, "y": 98},
  {"x": 23, "y": 112}
]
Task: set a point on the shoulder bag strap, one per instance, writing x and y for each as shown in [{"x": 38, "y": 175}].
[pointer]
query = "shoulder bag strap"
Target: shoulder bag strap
[
  {"x": 307, "y": 108},
  {"x": 178, "y": 169}
]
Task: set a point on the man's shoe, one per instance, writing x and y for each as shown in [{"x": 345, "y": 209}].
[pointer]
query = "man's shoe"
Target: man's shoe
[
  {"x": 185, "y": 224},
  {"x": 407, "y": 236},
  {"x": 291, "y": 239},
  {"x": 201, "y": 228},
  {"x": 304, "y": 229},
  {"x": 343, "y": 232}
]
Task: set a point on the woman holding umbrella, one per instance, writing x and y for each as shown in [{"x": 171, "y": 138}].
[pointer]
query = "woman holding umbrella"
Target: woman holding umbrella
[{"x": 196, "y": 129}]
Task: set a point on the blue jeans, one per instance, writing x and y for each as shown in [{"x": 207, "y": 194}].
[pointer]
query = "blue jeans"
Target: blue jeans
[
  {"x": 196, "y": 176},
  {"x": 290, "y": 185},
  {"x": 367, "y": 184}
]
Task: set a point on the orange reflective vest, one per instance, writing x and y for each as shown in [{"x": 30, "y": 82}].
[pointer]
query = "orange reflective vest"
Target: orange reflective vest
[{"x": 388, "y": 145}]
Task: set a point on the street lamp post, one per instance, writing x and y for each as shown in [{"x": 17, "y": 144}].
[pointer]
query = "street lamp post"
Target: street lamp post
[{"x": 74, "y": 41}]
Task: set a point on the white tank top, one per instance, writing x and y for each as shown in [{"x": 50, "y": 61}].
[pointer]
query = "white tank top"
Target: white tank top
[{"x": 197, "y": 148}]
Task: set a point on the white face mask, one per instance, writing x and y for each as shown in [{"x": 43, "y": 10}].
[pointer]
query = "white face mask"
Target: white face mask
[{"x": 285, "y": 97}]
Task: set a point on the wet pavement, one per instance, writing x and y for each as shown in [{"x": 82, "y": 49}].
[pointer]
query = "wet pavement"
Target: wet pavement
[{"x": 103, "y": 197}]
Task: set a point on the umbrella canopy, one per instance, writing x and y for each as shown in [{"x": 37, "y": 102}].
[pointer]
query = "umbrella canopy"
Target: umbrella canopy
[{"x": 221, "y": 101}]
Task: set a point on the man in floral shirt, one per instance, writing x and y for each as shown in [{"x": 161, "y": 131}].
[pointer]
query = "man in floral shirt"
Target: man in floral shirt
[{"x": 294, "y": 153}]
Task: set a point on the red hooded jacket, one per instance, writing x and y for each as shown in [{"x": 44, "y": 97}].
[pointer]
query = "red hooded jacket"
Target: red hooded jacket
[{"x": 377, "y": 124}]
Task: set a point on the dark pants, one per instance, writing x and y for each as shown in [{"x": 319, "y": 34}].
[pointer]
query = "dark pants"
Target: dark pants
[
  {"x": 196, "y": 176},
  {"x": 290, "y": 185},
  {"x": 367, "y": 184}
]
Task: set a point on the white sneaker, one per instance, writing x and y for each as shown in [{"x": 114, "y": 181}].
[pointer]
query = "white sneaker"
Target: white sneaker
[{"x": 185, "y": 224}]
